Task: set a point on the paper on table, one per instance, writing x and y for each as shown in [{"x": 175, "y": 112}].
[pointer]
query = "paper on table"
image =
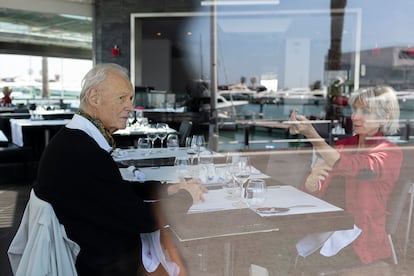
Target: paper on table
[
  {"x": 278, "y": 196},
  {"x": 214, "y": 200},
  {"x": 297, "y": 201}
]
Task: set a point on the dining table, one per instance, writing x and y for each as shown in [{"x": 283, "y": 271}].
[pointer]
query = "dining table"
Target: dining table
[
  {"x": 218, "y": 227},
  {"x": 18, "y": 126}
]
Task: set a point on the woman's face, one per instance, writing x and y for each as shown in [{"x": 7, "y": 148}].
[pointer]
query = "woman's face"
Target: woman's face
[{"x": 364, "y": 122}]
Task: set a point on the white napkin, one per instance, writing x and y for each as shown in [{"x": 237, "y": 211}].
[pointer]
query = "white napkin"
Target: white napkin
[
  {"x": 312, "y": 242},
  {"x": 329, "y": 242},
  {"x": 139, "y": 175},
  {"x": 338, "y": 240},
  {"x": 118, "y": 153},
  {"x": 153, "y": 254}
]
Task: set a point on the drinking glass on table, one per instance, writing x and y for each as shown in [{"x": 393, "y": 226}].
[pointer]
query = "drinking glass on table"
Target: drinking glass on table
[
  {"x": 172, "y": 141},
  {"x": 206, "y": 166},
  {"x": 131, "y": 118},
  {"x": 182, "y": 165},
  {"x": 152, "y": 134},
  {"x": 255, "y": 194},
  {"x": 162, "y": 129},
  {"x": 225, "y": 175},
  {"x": 190, "y": 150},
  {"x": 144, "y": 143},
  {"x": 197, "y": 143},
  {"x": 232, "y": 158},
  {"x": 241, "y": 174}
]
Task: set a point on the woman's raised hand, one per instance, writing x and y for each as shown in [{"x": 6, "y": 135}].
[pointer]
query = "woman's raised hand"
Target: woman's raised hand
[
  {"x": 319, "y": 173},
  {"x": 299, "y": 124}
]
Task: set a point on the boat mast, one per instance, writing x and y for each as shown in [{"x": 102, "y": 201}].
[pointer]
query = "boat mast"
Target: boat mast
[{"x": 213, "y": 128}]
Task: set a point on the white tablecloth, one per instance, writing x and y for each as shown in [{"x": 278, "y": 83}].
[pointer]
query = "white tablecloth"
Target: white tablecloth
[
  {"x": 142, "y": 130},
  {"x": 140, "y": 154},
  {"x": 169, "y": 174},
  {"x": 18, "y": 124}
]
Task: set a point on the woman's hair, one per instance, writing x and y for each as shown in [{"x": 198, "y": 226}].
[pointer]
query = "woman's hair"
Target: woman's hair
[
  {"x": 96, "y": 76},
  {"x": 382, "y": 101}
]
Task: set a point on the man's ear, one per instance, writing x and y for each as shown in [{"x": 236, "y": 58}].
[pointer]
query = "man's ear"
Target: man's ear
[{"x": 93, "y": 96}]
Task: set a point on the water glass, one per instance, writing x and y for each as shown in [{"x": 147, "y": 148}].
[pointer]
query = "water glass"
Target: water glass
[
  {"x": 144, "y": 143},
  {"x": 229, "y": 185},
  {"x": 206, "y": 164},
  {"x": 172, "y": 141},
  {"x": 255, "y": 193},
  {"x": 182, "y": 165}
]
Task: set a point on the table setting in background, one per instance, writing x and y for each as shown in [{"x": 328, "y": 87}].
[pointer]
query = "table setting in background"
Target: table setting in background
[{"x": 17, "y": 126}]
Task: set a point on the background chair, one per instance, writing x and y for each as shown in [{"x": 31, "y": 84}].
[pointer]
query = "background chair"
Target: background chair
[
  {"x": 184, "y": 131},
  {"x": 396, "y": 205}
]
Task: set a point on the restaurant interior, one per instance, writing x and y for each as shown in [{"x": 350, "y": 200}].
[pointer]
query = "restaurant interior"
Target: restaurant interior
[{"x": 217, "y": 81}]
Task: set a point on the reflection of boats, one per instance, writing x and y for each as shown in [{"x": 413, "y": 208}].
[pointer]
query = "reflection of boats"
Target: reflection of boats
[
  {"x": 226, "y": 108},
  {"x": 296, "y": 96},
  {"x": 238, "y": 94},
  {"x": 405, "y": 99}
]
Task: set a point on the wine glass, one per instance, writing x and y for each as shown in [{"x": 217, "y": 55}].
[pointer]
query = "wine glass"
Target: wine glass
[
  {"x": 190, "y": 151},
  {"x": 241, "y": 174},
  {"x": 255, "y": 194},
  {"x": 199, "y": 142},
  {"x": 196, "y": 144},
  {"x": 139, "y": 116},
  {"x": 131, "y": 118},
  {"x": 152, "y": 134},
  {"x": 162, "y": 132}
]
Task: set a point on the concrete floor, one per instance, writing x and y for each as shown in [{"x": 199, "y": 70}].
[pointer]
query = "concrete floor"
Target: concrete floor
[{"x": 286, "y": 166}]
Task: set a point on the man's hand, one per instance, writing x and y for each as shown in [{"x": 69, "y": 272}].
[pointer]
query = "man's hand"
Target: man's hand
[{"x": 193, "y": 186}]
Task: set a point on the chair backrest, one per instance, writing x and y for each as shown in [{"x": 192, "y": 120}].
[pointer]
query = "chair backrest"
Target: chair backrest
[
  {"x": 400, "y": 193},
  {"x": 184, "y": 131},
  {"x": 41, "y": 245},
  {"x": 396, "y": 204}
]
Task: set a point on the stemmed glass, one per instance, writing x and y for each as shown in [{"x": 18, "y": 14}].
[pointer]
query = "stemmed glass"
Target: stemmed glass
[
  {"x": 162, "y": 132},
  {"x": 241, "y": 173},
  {"x": 190, "y": 151},
  {"x": 131, "y": 118},
  {"x": 152, "y": 134},
  {"x": 197, "y": 142}
]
